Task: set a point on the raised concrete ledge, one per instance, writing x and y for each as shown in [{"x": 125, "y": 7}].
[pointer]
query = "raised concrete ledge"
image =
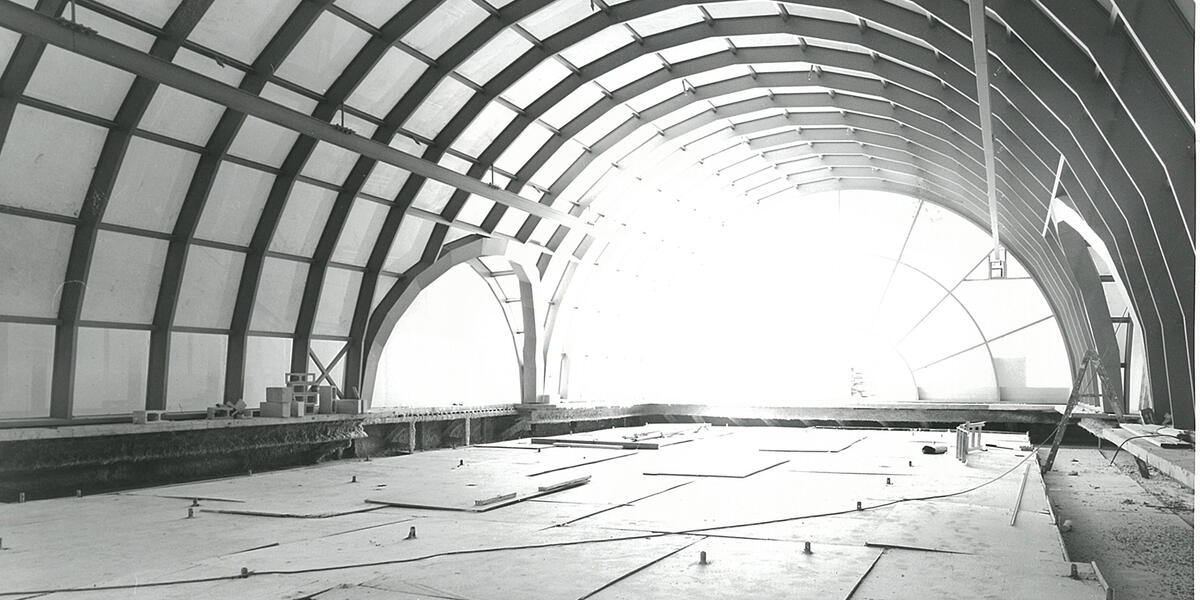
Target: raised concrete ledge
[
  {"x": 1178, "y": 464},
  {"x": 921, "y": 412}
]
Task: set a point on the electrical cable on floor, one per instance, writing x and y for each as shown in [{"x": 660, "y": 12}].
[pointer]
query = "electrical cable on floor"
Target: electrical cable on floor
[
  {"x": 246, "y": 573},
  {"x": 1138, "y": 437}
]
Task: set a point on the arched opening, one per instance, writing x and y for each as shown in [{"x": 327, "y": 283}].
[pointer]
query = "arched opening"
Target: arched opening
[
  {"x": 452, "y": 346},
  {"x": 835, "y": 298}
]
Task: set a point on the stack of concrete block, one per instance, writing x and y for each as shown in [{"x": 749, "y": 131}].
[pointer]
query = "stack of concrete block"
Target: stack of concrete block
[{"x": 299, "y": 396}]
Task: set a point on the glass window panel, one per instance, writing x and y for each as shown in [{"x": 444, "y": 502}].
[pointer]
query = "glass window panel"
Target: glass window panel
[
  {"x": 1114, "y": 298},
  {"x": 875, "y": 224},
  {"x": 944, "y": 244},
  {"x": 659, "y": 94},
  {"x": 598, "y": 45},
  {"x": 197, "y": 376},
  {"x": 358, "y": 234},
  {"x": 26, "y": 360},
  {"x": 46, "y": 162},
  {"x": 483, "y": 130},
  {"x": 557, "y": 16},
  {"x": 447, "y": 24},
  {"x": 263, "y": 142},
  {"x": 494, "y": 56},
  {"x": 948, "y": 329},
  {"x": 579, "y": 100},
  {"x": 475, "y": 210},
  {"x": 536, "y": 82},
  {"x": 968, "y": 377},
  {"x": 437, "y": 109},
  {"x": 373, "y": 11},
  {"x": 35, "y": 262},
  {"x": 329, "y": 163},
  {"x": 387, "y": 82},
  {"x": 165, "y": 116},
  {"x": 279, "y": 293},
  {"x": 303, "y": 220},
  {"x": 433, "y": 196},
  {"x": 122, "y": 286},
  {"x": 208, "y": 67},
  {"x": 268, "y": 360},
  {"x": 629, "y": 72},
  {"x": 385, "y": 181},
  {"x": 451, "y": 346},
  {"x": 1002, "y": 305},
  {"x": 241, "y": 28},
  {"x": 382, "y": 287},
  {"x": 338, "y": 297},
  {"x": 410, "y": 242},
  {"x": 1032, "y": 364},
  {"x": 110, "y": 371},
  {"x": 553, "y": 169},
  {"x": 209, "y": 290},
  {"x": 455, "y": 163},
  {"x": 150, "y": 186},
  {"x": 543, "y": 231},
  {"x": 323, "y": 53},
  {"x": 522, "y": 148},
  {"x": 234, "y": 204},
  {"x": 666, "y": 20}
]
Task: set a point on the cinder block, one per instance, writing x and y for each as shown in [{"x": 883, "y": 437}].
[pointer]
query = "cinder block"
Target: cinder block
[
  {"x": 347, "y": 406},
  {"x": 300, "y": 377},
  {"x": 279, "y": 394},
  {"x": 142, "y": 417},
  {"x": 275, "y": 409},
  {"x": 325, "y": 399},
  {"x": 219, "y": 412}
]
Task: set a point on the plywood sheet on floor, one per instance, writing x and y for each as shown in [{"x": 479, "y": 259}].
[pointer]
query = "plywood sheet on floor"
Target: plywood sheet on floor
[
  {"x": 748, "y": 569},
  {"x": 968, "y": 529},
  {"x": 711, "y": 464},
  {"x": 911, "y": 575},
  {"x": 648, "y": 437}
]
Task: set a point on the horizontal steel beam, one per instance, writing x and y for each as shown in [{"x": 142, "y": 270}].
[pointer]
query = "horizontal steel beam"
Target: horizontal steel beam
[{"x": 96, "y": 47}]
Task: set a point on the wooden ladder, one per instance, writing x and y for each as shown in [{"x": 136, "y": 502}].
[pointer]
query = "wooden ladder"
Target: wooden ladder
[{"x": 1092, "y": 359}]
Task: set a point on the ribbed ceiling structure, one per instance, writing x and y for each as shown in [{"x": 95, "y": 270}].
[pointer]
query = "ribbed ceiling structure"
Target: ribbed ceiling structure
[{"x": 209, "y": 174}]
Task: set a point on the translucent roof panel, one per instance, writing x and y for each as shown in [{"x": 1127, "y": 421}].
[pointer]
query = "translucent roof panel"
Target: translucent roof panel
[
  {"x": 387, "y": 82},
  {"x": 666, "y": 20},
  {"x": 483, "y": 130},
  {"x": 234, "y": 204},
  {"x": 475, "y": 210},
  {"x": 447, "y": 24},
  {"x": 530, "y": 140},
  {"x": 433, "y": 196},
  {"x": 335, "y": 309},
  {"x": 536, "y": 82},
  {"x": 35, "y": 265},
  {"x": 27, "y": 370},
  {"x": 597, "y": 46},
  {"x": 385, "y": 181},
  {"x": 209, "y": 290},
  {"x": 408, "y": 245},
  {"x": 1003, "y": 304},
  {"x": 329, "y": 163},
  {"x": 162, "y": 116},
  {"x": 629, "y": 72},
  {"x": 122, "y": 285},
  {"x": 150, "y": 186},
  {"x": 266, "y": 358},
  {"x": 154, "y": 13},
  {"x": 494, "y": 56},
  {"x": 937, "y": 230},
  {"x": 731, "y": 10},
  {"x": 362, "y": 226},
  {"x": 438, "y": 108},
  {"x": 579, "y": 100},
  {"x": 303, "y": 220},
  {"x": 241, "y": 28},
  {"x": 67, "y": 79},
  {"x": 280, "y": 291},
  {"x": 322, "y": 53},
  {"x": 197, "y": 376},
  {"x": 372, "y": 11},
  {"x": 555, "y": 17},
  {"x": 8, "y": 44},
  {"x": 263, "y": 142},
  {"x": 47, "y": 161},
  {"x": 111, "y": 364},
  {"x": 946, "y": 330}
]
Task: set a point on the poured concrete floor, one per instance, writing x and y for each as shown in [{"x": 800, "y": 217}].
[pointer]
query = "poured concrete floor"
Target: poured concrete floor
[
  {"x": 746, "y": 499},
  {"x": 1138, "y": 530}
]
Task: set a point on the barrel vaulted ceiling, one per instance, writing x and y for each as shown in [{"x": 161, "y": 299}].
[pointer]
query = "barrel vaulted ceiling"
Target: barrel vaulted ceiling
[{"x": 242, "y": 169}]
